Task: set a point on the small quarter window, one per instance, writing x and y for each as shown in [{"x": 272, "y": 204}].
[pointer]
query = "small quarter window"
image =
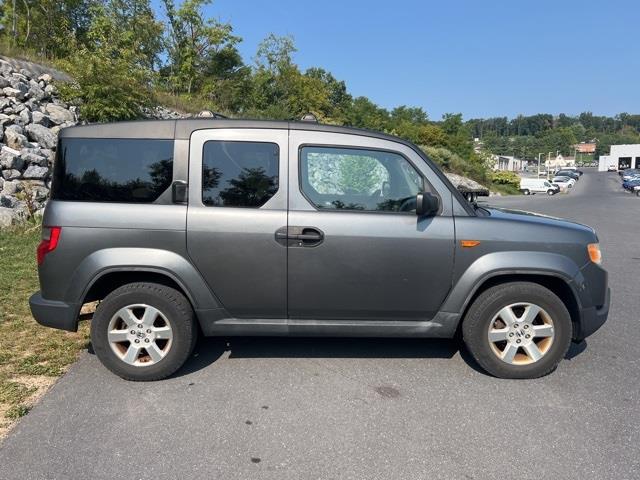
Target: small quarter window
[
  {"x": 127, "y": 170},
  {"x": 357, "y": 179},
  {"x": 239, "y": 174}
]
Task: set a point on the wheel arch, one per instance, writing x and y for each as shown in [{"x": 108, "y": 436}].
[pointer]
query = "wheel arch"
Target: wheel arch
[
  {"x": 109, "y": 280},
  {"x": 557, "y": 284},
  {"x": 105, "y": 270}
]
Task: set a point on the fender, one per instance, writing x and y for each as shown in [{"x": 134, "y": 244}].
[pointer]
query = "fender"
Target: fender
[
  {"x": 511, "y": 263},
  {"x": 168, "y": 263}
]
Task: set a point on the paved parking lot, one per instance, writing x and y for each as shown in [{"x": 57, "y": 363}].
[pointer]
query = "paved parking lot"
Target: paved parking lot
[{"x": 359, "y": 408}]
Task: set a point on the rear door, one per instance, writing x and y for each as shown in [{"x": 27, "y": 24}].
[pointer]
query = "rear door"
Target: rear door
[
  {"x": 357, "y": 249},
  {"x": 237, "y": 202}
]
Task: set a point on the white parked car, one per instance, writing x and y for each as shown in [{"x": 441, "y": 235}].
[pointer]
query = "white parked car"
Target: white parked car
[
  {"x": 564, "y": 182},
  {"x": 612, "y": 168},
  {"x": 531, "y": 186}
]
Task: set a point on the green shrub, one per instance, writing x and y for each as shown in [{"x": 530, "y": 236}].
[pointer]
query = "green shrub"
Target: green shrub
[
  {"x": 502, "y": 177},
  {"x": 452, "y": 162}
]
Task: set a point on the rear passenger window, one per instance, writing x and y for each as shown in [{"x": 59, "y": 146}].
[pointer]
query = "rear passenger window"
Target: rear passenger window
[
  {"x": 239, "y": 174},
  {"x": 112, "y": 170}
]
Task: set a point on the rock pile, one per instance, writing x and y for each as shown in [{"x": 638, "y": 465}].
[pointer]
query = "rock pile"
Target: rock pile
[{"x": 31, "y": 115}]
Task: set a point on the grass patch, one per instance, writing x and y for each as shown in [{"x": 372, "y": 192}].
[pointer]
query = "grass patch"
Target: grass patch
[
  {"x": 29, "y": 353},
  {"x": 17, "y": 411},
  {"x": 505, "y": 189}
]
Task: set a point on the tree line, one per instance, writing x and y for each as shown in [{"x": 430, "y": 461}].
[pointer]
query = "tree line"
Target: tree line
[{"x": 123, "y": 59}]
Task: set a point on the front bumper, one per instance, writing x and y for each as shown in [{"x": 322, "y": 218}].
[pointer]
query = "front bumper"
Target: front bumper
[
  {"x": 54, "y": 314},
  {"x": 592, "y": 319}
]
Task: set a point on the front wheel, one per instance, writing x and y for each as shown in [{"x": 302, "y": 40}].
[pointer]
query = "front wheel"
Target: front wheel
[
  {"x": 517, "y": 330},
  {"x": 551, "y": 192},
  {"x": 525, "y": 191},
  {"x": 143, "y": 331}
]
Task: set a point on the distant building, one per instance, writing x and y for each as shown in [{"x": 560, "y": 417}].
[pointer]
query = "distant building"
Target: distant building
[
  {"x": 621, "y": 157},
  {"x": 585, "y": 147},
  {"x": 505, "y": 162},
  {"x": 560, "y": 162}
]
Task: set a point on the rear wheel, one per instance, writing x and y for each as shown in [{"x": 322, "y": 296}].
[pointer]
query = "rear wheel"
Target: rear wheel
[
  {"x": 517, "y": 330},
  {"x": 526, "y": 191},
  {"x": 144, "y": 331}
]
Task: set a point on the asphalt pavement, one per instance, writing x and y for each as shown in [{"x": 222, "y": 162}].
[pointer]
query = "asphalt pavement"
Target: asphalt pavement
[{"x": 291, "y": 408}]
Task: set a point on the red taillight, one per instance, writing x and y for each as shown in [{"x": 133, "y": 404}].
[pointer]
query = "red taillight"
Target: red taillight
[{"x": 49, "y": 242}]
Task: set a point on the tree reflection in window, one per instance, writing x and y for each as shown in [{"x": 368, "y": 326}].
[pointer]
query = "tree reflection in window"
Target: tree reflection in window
[
  {"x": 112, "y": 170},
  {"x": 239, "y": 174}
]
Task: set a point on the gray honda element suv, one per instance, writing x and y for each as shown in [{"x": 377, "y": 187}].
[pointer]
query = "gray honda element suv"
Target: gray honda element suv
[{"x": 233, "y": 227}]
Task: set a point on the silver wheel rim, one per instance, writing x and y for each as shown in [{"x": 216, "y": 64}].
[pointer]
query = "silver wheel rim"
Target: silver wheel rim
[
  {"x": 140, "y": 335},
  {"x": 521, "y": 333}
]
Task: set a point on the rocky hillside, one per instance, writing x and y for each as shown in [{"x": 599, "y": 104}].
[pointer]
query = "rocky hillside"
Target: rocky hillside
[{"x": 31, "y": 114}]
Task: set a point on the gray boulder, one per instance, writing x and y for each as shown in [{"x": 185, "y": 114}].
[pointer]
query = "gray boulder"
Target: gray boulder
[
  {"x": 17, "y": 128},
  {"x": 10, "y": 174},
  {"x": 25, "y": 115},
  {"x": 41, "y": 134},
  {"x": 11, "y": 187},
  {"x": 4, "y": 82},
  {"x": 16, "y": 92},
  {"x": 34, "y": 156},
  {"x": 6, "y": 217},
  {"x": 40, "y": 118},
  {"x": 14, "y": 139},
  {"x": 8, "y": 201},
  {"x": 37, "y": 93},
  {"x": 58, "y": 114},
  {"x": 9, "y": 161},
  {"x": 35, "y": 172}
]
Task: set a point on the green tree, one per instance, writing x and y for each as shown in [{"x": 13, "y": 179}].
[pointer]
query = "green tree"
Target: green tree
[
  {"x": 112, "y": 78},
  {"x": 196, "y": 46},
  {"x": 51, "y": 28}
]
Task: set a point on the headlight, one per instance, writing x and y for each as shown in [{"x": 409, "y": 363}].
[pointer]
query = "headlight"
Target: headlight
[{"x": 594, "y": 253}]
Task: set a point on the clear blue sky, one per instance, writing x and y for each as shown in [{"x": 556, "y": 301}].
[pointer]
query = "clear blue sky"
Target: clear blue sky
[{"x": 481, "y": 58}]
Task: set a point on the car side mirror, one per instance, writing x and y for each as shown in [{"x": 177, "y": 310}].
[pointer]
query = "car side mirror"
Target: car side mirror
[{"x": 427, "y": 205}]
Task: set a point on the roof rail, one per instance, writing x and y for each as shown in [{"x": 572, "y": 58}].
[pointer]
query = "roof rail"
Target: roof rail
[{"x": 210, "y": 114}]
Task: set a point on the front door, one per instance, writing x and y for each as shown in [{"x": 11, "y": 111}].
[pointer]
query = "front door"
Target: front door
[
  {"x": 357, "y": 250},
  {"x": 237, "y": 201}
]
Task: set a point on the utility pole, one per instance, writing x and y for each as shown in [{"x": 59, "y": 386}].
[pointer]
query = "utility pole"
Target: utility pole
[{"x": 539, "y": 164}]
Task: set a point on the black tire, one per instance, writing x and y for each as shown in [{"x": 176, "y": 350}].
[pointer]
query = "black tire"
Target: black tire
[
  {"x": 476, "y": 324},
  {"x": 551, "y": 192},
  {"x": 173, "y": 305},
  {"x": 526, "y": 191}
]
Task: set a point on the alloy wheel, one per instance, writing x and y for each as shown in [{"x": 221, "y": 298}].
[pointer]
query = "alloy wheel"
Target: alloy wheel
[
  {"x": 521, "y": 333},
  {"x": 140, "y": 335}
]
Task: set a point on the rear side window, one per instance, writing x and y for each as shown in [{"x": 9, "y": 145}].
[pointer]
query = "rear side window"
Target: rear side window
[
  {"x": 112, "y": 170},
  {"x": 239, "y": 174}
]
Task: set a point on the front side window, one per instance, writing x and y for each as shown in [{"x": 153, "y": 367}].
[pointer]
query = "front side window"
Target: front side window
[
  {"x": 127, "y": 170},
  {"x": 239, "y": 174},
  {"x": 336, "y": 178}
]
